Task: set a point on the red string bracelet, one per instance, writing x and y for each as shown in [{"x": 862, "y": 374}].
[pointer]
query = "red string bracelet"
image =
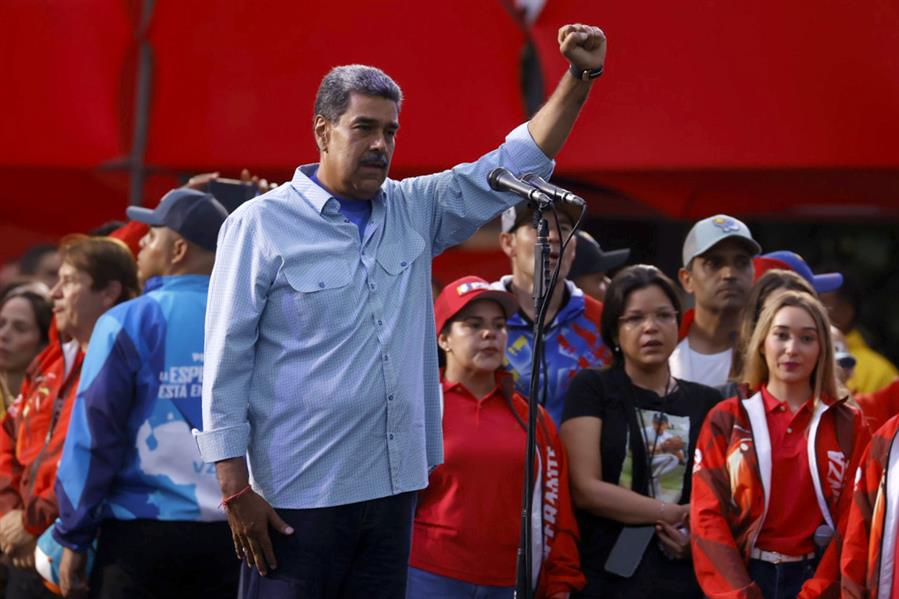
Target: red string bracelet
[{"x": 238, "y": 495}]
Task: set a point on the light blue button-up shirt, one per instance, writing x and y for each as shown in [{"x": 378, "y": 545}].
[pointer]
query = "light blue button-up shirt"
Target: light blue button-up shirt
[{"x": 321, "y": 356}]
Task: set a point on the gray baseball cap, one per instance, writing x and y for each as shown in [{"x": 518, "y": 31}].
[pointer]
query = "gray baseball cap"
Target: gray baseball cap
[{"x": 711, "y": 231}]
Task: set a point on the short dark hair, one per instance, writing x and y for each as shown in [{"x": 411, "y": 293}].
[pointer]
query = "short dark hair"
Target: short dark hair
[
  {"x": 633, "y": 278},
  {"x": 105, "y": 259},
  {"x": 40, "y": 307},
  {"x": 31, "y": 259},
  {"x": 333, "y": 96}
]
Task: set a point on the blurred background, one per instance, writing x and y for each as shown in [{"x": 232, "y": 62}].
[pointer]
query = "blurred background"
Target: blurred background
[{"x": 783, "y": 114}]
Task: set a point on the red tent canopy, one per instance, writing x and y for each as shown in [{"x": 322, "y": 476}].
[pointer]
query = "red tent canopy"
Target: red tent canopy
[{"x": 753, "y": 109}]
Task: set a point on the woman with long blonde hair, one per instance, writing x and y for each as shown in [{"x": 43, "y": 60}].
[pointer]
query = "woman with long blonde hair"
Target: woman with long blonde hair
[{"x": 773, "y": 470}]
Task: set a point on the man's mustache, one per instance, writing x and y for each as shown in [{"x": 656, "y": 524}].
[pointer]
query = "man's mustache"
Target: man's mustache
[{"x": 374, "y": 160}]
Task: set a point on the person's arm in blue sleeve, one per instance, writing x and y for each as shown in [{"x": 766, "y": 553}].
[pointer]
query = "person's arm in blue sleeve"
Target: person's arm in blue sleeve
[
  {"x": 98, "y": 438},
  {"x": 460, "y": 199}
]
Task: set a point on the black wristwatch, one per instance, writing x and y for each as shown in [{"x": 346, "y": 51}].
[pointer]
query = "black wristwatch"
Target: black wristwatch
[{"x": 585, "y": 74}]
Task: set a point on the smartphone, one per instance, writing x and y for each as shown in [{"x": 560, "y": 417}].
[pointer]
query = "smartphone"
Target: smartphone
[
  {"x": 627, "y": 553},
  {"x": 231, "y": 192}
]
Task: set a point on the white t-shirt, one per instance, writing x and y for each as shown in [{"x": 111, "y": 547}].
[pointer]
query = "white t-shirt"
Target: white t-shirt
[{"x": 690, "y": 365}]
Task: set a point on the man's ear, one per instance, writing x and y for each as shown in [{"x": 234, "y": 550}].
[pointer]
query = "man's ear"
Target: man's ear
[
  {"x": 507, "y": 244},
  {"x": 685, "y": 276},
  {"x": 180, "y": 248},
  {"x": 321, "y": 128}
]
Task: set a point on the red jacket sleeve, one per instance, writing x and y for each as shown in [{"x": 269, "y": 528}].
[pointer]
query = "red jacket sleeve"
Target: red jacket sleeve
[
  {"x": 10, "y": 468},
  {"x": 826, "y": 581},
  {"x": 562, "y": 568},
  {"x": 854, "y": 559},
  {"x": 717, "y": 560}
]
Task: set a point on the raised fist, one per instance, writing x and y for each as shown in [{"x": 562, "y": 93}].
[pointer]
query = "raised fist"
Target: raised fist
[{"x": 583, "y": 46}]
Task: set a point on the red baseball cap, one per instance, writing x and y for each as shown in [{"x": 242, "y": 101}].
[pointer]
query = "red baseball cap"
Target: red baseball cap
[{"x": 462, "y": 292}]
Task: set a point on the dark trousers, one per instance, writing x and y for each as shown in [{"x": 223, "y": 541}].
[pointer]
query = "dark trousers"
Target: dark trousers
[
  {"x": 26, "y": 584},
  {"x": 781, "y": 581},
  {"x": 343, "y": 552},
  {"x": 143, "y": 559}
]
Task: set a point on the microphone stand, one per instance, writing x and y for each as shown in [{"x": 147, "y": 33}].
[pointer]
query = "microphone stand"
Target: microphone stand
[{"x": 524, "y": 588}]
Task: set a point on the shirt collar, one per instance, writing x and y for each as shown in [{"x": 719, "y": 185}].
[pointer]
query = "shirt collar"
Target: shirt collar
[
  {"x": 177, "y": 282},
  {"x": 499, "y": 376},
  {"x": 317, "y": 195},
  {"x": 772, "y": 403}
]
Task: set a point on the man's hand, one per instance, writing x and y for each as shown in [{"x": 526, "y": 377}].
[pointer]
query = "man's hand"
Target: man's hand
[
  {"x": 14, "y": 539},
  {"x": 249, "y": 517},
  {"x": 583, "y": 46},
  {"x": 73, "y": 574}
]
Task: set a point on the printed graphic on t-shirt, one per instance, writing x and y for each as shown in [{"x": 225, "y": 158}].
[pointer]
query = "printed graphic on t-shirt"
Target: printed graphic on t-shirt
[{"x": 667, "y": 441}]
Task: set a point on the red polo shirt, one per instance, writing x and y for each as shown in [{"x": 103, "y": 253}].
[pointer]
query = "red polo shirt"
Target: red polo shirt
[
  {"x": 793, "y": 512},
  {"x": 467, "y": 520}
]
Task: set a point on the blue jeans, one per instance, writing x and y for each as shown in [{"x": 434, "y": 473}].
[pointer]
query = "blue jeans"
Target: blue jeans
[
  {"x": 781, "y": 581},
  {"x": 425, "y": 585},
  {"x": 343, "y": 552}
]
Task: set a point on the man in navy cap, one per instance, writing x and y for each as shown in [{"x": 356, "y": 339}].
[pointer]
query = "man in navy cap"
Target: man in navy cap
[{"x": 130, "y": 468}]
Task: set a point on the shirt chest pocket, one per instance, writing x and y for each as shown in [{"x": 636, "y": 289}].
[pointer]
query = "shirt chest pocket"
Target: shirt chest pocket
[
  {"x": 397, "y": 256},
  {"x": 317, "y": 288}
]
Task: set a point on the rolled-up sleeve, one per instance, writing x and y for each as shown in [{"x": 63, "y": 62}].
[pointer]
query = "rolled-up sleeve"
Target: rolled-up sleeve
[{"x": 238, "y": 291}]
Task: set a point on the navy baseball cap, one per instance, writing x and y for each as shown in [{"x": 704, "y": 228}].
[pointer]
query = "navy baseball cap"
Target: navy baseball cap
[
  {"x": 194, "y": 215},
  {"x": 822, "y": 283}
]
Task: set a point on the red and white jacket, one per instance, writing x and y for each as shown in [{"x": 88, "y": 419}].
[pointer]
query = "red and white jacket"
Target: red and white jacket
[
  {"x": 868, "y": 562},
  {"x": 732, "y": 485}
]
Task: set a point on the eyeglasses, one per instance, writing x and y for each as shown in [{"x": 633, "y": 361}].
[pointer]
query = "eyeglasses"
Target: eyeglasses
[{"x": 662, "y": 317}]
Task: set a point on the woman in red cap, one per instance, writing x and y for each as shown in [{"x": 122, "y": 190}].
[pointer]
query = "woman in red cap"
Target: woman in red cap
[{"x": 465, "y": 536}]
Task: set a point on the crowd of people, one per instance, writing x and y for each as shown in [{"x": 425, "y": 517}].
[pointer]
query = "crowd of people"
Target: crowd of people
[{"x": 273, "y": 403}]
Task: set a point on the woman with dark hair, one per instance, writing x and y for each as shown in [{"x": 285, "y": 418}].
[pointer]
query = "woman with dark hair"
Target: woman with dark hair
[
  {"x": 630, "y": 432},
  {"x": 467, "y": 521},
  {"x": 24, "y": 331},
  {"x": 773, "y": 472}
]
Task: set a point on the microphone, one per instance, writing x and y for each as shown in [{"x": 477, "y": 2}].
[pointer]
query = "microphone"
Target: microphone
[
  {"x": 501, "y": 179},
  {"x": 556, "y": 193}
]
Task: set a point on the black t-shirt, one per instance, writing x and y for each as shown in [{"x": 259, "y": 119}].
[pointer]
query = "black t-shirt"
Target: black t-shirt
[{"x": 667, "y": 428}]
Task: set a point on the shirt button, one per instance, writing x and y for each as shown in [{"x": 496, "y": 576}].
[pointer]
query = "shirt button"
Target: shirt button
[
  {"x": 386, "y": 358},
  {"x": 789, "y": 429},
  {"x": 321, "y": 284},
  {"x": 371, "y": 286},
  {"x": 390, "y": 436},
  {"x": 403, "y": 263},
  {"x": 346, "y": 220},
  {"x": 390, "y": 398},
  {"x": 380, "y": 323}
]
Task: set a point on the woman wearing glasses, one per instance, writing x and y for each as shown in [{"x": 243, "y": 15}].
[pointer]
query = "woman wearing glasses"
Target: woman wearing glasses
[{"x": 630, "y": 432}]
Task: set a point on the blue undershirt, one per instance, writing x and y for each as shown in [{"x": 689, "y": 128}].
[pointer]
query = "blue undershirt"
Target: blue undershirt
[{"x": 356, "y": 211}]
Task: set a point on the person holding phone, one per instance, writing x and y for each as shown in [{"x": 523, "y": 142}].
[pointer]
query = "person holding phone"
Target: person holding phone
[
  {"x": 624, "y": 428},
  {"x": 467, "y": 521},
  {"x": 773, "y": 472}
]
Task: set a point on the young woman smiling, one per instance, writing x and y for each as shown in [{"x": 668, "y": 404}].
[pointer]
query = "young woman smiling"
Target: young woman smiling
[
  {"x": 467, "y": 521},
  {"x": 630, "y": 433},
  {"x": 773, "y": 473}
]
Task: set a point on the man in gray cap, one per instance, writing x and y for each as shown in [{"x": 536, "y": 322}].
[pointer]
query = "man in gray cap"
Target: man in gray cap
[
  {"x": 130, "y": 468},
  {"x": 717, "y": 272},
  {"x": 591, "y": 263},
  {"x": 571, "y": 339}
]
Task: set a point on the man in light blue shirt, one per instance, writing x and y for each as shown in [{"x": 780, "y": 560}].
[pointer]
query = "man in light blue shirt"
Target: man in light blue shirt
[{"x": 321, "y": 363}]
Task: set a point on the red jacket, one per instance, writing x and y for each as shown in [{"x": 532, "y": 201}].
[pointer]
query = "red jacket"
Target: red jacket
[
  {"x": 731, "y": 473},
  {"x": 879, "y": 406},
  {"x": 870, "y": 541},
  {"x": 29, "y": 449}
]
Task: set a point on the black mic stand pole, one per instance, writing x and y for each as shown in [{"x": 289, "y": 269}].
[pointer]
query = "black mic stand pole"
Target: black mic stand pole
[{"x": 524, "y": 587}]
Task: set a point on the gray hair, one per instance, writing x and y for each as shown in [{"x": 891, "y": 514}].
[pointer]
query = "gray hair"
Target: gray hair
[{"x": 333, "y": 96}]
